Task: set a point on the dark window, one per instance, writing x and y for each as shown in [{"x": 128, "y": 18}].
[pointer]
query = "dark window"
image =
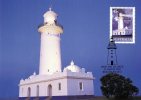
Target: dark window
[
  {"x": 59, "y": 88},
  {"x": 81, "y": 86},
  {"x": 112, "y": 62}
]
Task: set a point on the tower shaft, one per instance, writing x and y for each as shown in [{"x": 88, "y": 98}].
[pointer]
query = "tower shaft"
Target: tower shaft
[
  {"x": 120, "y": 23},
  {"x": 50, "y": 57},
  {"x": 50, "y": 53},
  {"x": 112, "y": 57}
]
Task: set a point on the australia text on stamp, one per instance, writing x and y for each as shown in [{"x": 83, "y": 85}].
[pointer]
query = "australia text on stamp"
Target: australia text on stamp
[{"x": 122, "y": 24}]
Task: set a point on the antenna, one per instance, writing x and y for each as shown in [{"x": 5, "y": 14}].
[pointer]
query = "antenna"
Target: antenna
[{"x": 51, "y": 3}]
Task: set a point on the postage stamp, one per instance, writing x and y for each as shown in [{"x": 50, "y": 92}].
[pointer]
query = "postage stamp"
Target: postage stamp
[{"x": 122, "y": 24}]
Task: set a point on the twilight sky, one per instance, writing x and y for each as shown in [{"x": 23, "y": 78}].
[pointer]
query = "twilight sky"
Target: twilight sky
[{"x": 85, "y": 38}]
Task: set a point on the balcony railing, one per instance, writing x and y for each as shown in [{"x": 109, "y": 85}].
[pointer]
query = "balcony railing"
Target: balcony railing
[{"x": 57, "y": 24}]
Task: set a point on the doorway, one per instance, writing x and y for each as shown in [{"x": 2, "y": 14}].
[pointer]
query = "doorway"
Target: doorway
[
  {"x": 29, "y": 92},
  {"x": 50, "y": 90},
  {"x": 37, "y": 92}
]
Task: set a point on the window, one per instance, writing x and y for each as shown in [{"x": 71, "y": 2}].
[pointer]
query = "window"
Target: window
[
  {"x": 81, "y": 86},
  {"x": 112, "y": 62},
  {"x": 59, "y": 86}
]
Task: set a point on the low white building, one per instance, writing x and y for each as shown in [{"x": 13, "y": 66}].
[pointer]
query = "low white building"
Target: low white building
[
  {"x": 72, "y": 81},
  {"x": 51, "y": 80}
]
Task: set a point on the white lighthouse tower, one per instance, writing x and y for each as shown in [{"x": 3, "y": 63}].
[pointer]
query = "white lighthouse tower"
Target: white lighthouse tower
[
  {"x": 120, "y": 22},
  {"x": 50, "y": 57},
  {"x": 51, "y": 80}
]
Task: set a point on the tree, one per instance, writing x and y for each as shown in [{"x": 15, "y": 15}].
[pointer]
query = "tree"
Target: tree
[{"x": 117, "y": 86}]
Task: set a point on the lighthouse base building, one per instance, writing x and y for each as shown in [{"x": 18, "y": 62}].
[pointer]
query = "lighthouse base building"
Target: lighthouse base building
[
  {"x": 73, "y": 81},
  {"x": 52, "y": 80}
]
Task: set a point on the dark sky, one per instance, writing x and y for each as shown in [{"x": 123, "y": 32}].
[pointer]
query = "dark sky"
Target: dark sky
[{"x": 85, "y": 38}]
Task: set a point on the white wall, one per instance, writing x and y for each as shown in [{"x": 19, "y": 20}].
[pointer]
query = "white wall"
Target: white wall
[
  {"x": 43, "y": 88},
  {"x": 74, "y": 88},
  {"x": 69, "y": 84}
]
